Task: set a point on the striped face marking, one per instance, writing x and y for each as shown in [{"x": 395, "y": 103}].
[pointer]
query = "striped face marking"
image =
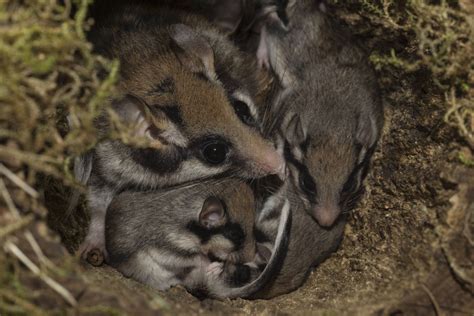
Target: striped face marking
[{"x": 329, "y": 178}]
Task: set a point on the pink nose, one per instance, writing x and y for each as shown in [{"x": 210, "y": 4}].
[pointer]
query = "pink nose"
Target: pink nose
[
  {"x": 326, "y": 216},
  {"x": 273, "y": 163}
]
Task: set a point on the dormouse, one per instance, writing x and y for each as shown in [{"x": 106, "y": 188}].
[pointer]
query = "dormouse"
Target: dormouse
[{"x": 332, "y": 110}]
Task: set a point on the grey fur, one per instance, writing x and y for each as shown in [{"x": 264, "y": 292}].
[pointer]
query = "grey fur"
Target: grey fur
[
  {"x": 329, "y": 84},
  {"x": 146, "y": 43},
  {"x": 148, "y": 239},
  {"x": 332, "y": 120}
]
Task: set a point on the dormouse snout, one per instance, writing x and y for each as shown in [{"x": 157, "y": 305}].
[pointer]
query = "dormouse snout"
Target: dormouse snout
[
  {"x": 271, "y": 162},
  {"x": 275, "y": 164},
  {"x": 326, "y": 216}
]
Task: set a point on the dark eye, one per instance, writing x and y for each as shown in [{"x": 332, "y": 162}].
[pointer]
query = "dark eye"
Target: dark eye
[
  {"x": 352, "y": 190},
  {"x": 349, "y": 186},
  {"x": 307, "y": 183},
  {"x": 353, "y": 184},
  {"x": 215, "y": 152},
  {"x": 243, "y": 112}
]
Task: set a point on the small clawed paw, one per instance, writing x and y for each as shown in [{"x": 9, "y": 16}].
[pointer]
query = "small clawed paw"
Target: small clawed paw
[{"x": 215, "y": 269}]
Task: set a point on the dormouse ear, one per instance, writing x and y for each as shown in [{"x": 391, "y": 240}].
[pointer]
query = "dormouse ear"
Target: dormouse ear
[
  {"x": 152, "y": 123},
  {"x": 321, "y": 5},
  {"x": 367, "y": 130},
  {"x": 129, "y": 108},
  {"x": 212, "y": 213},
  {"x": 263, "y": 254},
  {"x": 367, "y": 133},
  {"x": 132, "y": 111},
  {"x": 294, "y": 131},
  {"x": 197, "y": 52},
  {"x": 227, "y": 14}
]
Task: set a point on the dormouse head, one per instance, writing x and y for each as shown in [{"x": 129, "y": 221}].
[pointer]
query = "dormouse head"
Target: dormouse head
[
  {"x": 328, "y": 170},
  {"x": 196, "y": 107},
  {"x": 224, "y": 225},
  {"x": 334, "y": 93}
]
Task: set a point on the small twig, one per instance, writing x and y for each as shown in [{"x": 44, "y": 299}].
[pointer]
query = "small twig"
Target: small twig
[
  {"x": 38, "y": 162},
  {"x": 8, "y": 199},
  {"x": 18, "y": 181},
  {"x": 386, "y": 11},
  {"x": 467, "y": 226},
  {"x": 58, "y": 288},
  {"x": 437, "y": 309},
  {"x": 39, "y": 253},
  {"x": 22, "y": 303},
  {"x": 80, "y": 18},
  {"x": 17, "y": 225},
  {"x": 460, "y": 273}
]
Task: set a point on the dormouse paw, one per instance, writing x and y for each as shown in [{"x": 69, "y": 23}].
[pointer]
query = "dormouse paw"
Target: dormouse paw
[
  {"x": 93, "y": 251},
  {"x": 215, "y": 269}
]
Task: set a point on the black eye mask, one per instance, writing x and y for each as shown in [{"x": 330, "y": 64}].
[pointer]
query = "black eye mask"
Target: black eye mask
[
  {"x": 153, "y": 159},
  {"x": 305, "y": 180},
  {"x": 350, "y": 191},
  {"x": 243, "y": 112},
  {"x": 231, "y": 231}
]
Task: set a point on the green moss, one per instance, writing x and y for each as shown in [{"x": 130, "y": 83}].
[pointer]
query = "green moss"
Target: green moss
[
  {"x": 47, "y": 64},
  {"x": 47, "y": 71},
  {"x": 466, "y": 160},
  {"x": 436, "y": 37}
]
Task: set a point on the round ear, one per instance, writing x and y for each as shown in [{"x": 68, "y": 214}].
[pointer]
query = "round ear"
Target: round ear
[
  {"x": 367, "y": 134},
  {"x": 153, "y": 124},
  {"x": 228, "y": 14},
  {"x": 130, "y": 108},
  {"x": 197, "y": 53},
  {"x": 294, "y": 131},
  {"x": 367, "y": 130},
  {"x": 213, "y": 213},
  {"x": 264, "y": 253},
  {"x": 133, "y": 111}
]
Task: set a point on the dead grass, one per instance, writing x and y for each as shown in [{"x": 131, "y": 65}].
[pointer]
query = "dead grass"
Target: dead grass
[{"x": 47, "y": 71}]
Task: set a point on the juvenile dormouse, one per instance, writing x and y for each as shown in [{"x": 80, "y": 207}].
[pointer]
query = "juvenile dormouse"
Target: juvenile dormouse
[
  {"x": 186, "y": 89},
  {"x": 198, "y": 236},
  {"x": 333, "y": 113}
]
